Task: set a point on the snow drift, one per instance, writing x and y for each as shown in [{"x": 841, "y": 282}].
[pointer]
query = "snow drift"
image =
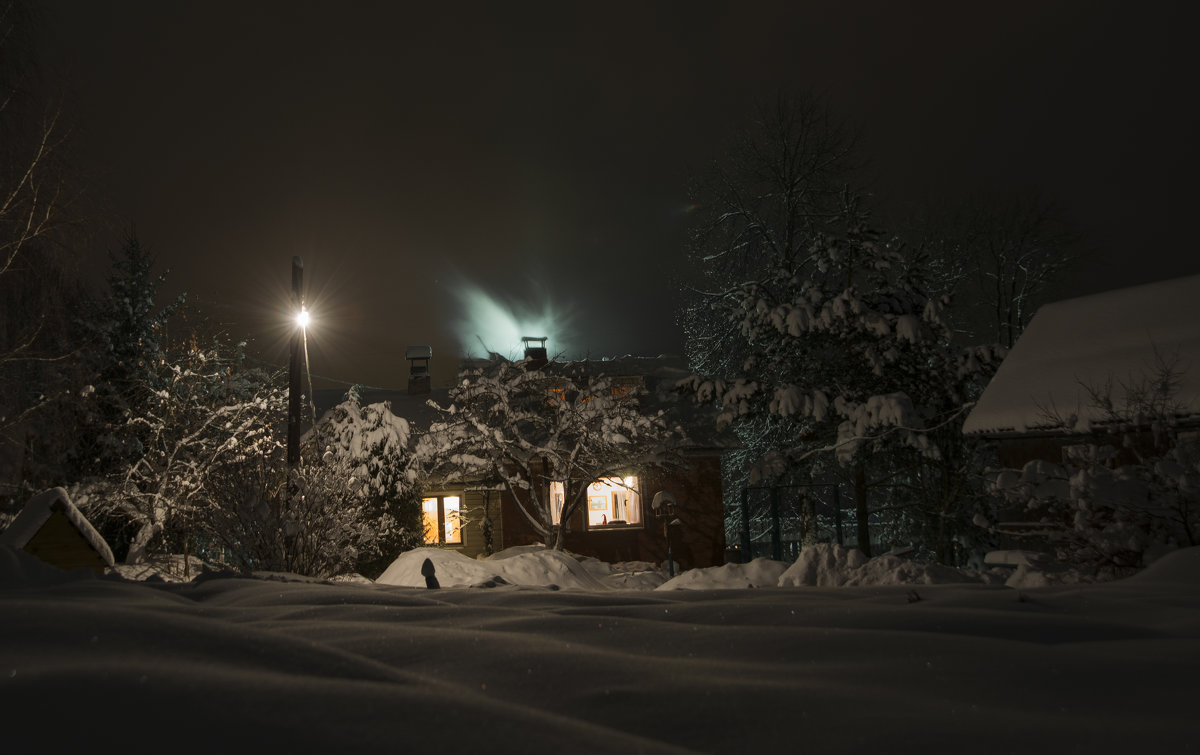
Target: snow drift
[
  {"x": 274, "y": 665},
  {"x": 536, "y": 568}
]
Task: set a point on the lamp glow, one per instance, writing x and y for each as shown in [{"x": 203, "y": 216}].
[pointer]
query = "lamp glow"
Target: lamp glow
[{"x": 302, "y": 318}]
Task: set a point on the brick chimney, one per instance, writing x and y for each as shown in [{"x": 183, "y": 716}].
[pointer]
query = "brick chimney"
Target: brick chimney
[
  {"x": 535, "y": 350},
  {"x": 418, "y": 368}
]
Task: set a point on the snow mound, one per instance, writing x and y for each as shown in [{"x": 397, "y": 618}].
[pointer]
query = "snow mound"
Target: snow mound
[
  {"x": 761, "y": 572},
  {"x": 625, "y": 575},
  {"x": 165, "y": 568},
  {"x": 351, "y": 578},
  {"x": 1037, "y": 570},
  {"x": 822, "y": 565},
  {"x": 20, "y": 569},
  {"x": 893, "y": 570},
  {"x": 516, "y": 550},
  {"x": 531, "y": 568},
  {"x": 1028, "y": 576},
  {"x": 831, "y": 565},
  {"x": 452, "y": 568},
  {"x": 1179, "y": 567}
]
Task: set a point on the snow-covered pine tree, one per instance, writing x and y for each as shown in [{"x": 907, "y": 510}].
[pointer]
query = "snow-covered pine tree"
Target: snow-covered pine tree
[
  {"x": 848, "y": 359},
  {"x": 755, "y": 210},
  {"x": 128, "y": 330},
  {"x": 822, "y": 338}
]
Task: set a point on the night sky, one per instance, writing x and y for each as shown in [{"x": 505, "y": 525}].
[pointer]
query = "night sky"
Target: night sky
[{"x": 443, "y": 169}]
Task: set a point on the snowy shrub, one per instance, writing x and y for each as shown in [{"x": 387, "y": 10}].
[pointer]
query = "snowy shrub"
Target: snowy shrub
[
  {"x": 366, "y": 453},
  {"x": 760, "y": 572},
  {"x": 328, "y": 524},
  {"x": 203, "y": 420},
  {"x": 1129, "y": 494},
  {"x": 1108, "y": 516},
  {"x": 350, "y": 505},
  {"x": 822, "y": 565}
]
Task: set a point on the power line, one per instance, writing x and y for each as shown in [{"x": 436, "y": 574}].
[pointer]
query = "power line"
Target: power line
[{"x": 312, "y": 375}]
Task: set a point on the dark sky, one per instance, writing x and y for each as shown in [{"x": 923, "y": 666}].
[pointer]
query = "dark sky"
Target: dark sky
[{"x": 534, "y": 157}]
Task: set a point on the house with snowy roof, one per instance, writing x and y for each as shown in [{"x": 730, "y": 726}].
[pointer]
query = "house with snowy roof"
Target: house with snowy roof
[
  {"x": 53, "y": 529},
  {"x": 635, "y": 513},
  {"x": 1053, "y": 388}
]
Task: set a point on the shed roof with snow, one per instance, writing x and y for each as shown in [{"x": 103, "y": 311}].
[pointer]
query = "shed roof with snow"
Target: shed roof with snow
[
  {"x": 1114, "y": 337},
  {"x": 53, "y": 529}
]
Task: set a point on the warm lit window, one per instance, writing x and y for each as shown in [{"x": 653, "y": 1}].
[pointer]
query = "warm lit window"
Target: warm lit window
[
  {"x": 609, "y": 501},
  {"x": 556, "y": 502},
  {"x": 429, "y": 517},
  {"x": 442, "y": 517}
]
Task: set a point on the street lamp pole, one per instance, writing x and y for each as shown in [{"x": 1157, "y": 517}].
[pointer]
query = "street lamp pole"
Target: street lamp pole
[{"x": 295, "y": 366}]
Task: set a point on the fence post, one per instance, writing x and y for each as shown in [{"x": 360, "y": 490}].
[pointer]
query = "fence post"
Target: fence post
[
  {"x": 746, "y": 525},
  {"x": 776, "y": 540},
  {"x": 837, "y": 514}
]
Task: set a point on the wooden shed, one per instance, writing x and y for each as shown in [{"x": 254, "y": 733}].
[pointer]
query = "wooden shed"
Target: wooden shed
[{"x": 53, "y": 529}]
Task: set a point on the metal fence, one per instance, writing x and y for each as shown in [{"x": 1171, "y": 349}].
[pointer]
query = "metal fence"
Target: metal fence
[{"x": 777, "y": 521}]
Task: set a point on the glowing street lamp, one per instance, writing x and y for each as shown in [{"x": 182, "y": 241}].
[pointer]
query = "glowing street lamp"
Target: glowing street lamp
[{"x": 294, "y": 366}]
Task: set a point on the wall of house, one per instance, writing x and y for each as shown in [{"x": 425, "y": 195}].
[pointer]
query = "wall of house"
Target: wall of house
[
  {"x": 1016, "y": 451},
  {"x": 696, "y": 540},
  {"x": 478, "y": 507},
  {"x": 481, "y": 507},
  {"x": 517, "y": 529},
  {"x": 60, "y": 544}
]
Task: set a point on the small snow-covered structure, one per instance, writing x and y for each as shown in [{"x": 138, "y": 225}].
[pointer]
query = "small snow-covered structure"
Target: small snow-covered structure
[
  {"x": 53, "y": 529},
  {"x": 1039, "y": 401}
]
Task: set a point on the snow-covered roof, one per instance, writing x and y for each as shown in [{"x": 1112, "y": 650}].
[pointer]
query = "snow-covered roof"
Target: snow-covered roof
[
  {"x": 1088, "y": 341},
  {"x": 659, "y": 375},
  {"x": 38, "y": 510}
]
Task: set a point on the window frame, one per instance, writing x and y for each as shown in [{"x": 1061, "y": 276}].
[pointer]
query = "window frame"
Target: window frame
[
  {"x": 635, "y": 488},
  {"x": 442, "y": 519}
]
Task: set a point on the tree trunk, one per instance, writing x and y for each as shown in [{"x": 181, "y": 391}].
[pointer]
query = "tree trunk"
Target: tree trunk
[
  {"x": 141, "y": 542},
  {"x": 861, "y": 510}
]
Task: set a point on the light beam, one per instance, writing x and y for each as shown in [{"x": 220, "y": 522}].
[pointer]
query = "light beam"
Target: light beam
[{"x": 500, "y": 324}]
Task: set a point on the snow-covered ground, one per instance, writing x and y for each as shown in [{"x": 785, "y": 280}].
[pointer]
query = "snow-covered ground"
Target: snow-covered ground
[{"x": 564, "y": 654}]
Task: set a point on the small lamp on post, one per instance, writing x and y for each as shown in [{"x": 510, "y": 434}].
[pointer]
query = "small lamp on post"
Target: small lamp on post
[{"x": 663, "y": 505}]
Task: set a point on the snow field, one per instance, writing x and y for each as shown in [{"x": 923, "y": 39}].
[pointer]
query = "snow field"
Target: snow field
[{"x": 278, "y": 664}]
